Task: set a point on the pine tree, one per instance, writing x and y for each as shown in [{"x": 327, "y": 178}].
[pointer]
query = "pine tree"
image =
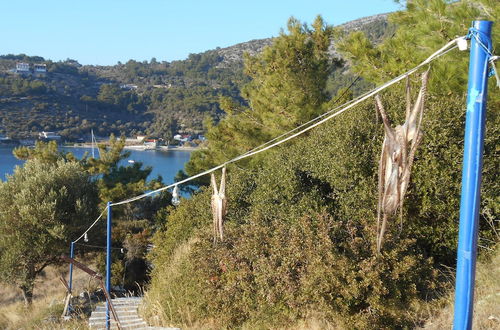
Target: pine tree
[
  {"x": 287, "y": 89},
  {"x": 425, "y": 26}
]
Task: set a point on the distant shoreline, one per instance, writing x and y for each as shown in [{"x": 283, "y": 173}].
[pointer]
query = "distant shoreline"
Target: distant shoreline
[{"x": 136, "y": 147}]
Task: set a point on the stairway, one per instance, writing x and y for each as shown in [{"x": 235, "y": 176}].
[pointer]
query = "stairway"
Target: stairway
[{"x": 126, "y": 308}]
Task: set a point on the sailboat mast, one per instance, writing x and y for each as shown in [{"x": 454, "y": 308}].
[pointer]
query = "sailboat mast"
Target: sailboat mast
[{"x": 92, "y": 137}]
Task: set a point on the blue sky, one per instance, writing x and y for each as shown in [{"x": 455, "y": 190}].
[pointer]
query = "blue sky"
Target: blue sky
[{"x": 107, "y": 31}]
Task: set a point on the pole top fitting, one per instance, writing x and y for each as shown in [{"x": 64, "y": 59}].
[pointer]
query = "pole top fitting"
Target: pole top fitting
[{"x": 483, "y": 26}]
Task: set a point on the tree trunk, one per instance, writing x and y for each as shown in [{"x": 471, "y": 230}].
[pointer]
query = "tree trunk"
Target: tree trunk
[{"x": 27, "y": 293}]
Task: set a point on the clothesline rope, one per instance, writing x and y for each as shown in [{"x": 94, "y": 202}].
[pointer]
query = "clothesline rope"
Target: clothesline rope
[
  {"x": 92, "y": 225},
  {"x": 302, "y": 128},
  {"x": 329, "y": 115}
]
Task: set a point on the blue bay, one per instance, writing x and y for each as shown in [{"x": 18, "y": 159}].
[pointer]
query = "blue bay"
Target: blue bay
[{"x": 164, "y": 163}]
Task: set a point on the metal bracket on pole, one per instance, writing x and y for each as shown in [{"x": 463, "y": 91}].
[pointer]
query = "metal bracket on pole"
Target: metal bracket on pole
[{"x": 471, "y": 175}]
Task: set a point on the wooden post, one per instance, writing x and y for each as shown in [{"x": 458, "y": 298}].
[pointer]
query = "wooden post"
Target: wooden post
[{"x": 99, "y": 278}]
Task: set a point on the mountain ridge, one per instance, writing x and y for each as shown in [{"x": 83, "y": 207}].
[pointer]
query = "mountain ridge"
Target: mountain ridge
[{"x": 235, "y": 52}]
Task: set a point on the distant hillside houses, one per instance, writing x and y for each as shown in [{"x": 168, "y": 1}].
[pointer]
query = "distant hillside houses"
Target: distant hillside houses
[
  {"x": 188, "y": 137},
  {"x": 22, "y": 68},
  {"x": 129, "y": 87},
  {"x": 25, "y": 69}
]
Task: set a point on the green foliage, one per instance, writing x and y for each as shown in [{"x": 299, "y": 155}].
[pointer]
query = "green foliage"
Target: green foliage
[
  {"x": 164, "y": 127},
  {"x": 300, "y": 231},
  {"x": 287, "y": 89},
  {"x": 109, "y": 156},
  {"x": 114, "y": 183},
  {"x": 111, "y": 95},
  {"x": 22, "y": 58},
  {"x": 45, "y": 152},
  {"x": 423, "y": 27},
  {"x": 19, "y": 86},
  {"x": 66, "y": 67},
  {"x": 278, "y": 272},
  {"x": 42, "y": 206},
  {"x": 289, "y": 78}
]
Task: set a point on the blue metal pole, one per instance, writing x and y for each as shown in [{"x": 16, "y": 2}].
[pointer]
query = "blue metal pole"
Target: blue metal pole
[
  {"x": 471, "y": 176},
  {"x": 108, "y": 262},
  {"x": 72, "y": 256}
]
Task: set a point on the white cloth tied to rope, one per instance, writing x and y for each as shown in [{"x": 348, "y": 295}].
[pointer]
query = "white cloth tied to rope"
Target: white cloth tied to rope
[{"x": 176, "y": 199}]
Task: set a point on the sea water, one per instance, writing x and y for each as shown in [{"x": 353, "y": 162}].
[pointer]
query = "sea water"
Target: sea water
[{"x": 164, "y": 163}]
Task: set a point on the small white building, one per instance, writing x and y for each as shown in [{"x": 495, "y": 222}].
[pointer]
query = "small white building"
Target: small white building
[
  {"x": 40, "y": 69},
  {"x": 129, "y": 87},
  {"x": 49, "y": 136},
  {"x": 23, "y": 68}
]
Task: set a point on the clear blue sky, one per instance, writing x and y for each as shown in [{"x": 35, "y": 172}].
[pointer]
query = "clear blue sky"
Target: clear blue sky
[{"x": 107, "y": 31}]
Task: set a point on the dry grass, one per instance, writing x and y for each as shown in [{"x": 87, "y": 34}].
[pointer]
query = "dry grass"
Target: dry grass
[
  {"x": 486, "y": 300},
  {"x": 152, "y": 310},
  {"x": 47, "y": 307}
]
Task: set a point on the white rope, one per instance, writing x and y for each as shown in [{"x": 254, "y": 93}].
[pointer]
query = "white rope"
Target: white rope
[
  {"x": 494, "y": 68},
  {"x": 331, "y": 114},
  {"x": 92, "y": 225}
]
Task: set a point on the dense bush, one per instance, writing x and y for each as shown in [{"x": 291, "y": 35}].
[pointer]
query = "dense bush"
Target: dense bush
[{"x": 300, "y": 232}]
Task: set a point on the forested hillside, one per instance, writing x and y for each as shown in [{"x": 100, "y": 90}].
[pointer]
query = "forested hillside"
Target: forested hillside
[{"x": 150, "y": 97}]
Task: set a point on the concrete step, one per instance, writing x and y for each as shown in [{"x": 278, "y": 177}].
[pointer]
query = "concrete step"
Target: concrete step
[
  {"x": 124, "y": 324},
  {"x": 103, "y": 317},
  {"x": 118, "y": 307},
  {"x": 126, "y": 309},
  {"x": 122, "y": 319},
  {"x": 103, "y": 313},
  {"x": 118, "y": 310},
  {"x": 125, "y": 302}
]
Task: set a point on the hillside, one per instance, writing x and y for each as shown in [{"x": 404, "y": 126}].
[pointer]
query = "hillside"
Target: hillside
[
  {"x": 155, "y": 98},
  {"x": 376, "y": 27}
]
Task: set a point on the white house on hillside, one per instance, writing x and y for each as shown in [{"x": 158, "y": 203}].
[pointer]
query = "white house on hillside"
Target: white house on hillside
[
  {"x": 49, "y": 136},
  {"x": 23, "y": 68},
  {"x": 40, "y": 69}
]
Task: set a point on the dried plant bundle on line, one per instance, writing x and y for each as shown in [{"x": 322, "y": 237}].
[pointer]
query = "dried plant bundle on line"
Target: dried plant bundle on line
[
  {"x": 219, "y": 205},
  {"x": 396, "y": 159}
]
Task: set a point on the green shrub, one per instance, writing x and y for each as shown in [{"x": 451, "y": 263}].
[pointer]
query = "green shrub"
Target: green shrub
[{"x": 300, "y": 231}]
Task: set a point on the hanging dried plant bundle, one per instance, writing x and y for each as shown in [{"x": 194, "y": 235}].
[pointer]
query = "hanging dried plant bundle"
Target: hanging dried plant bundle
[
  {"x": 219, "y": 205},
  {"x": 396, "y": 159}
]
